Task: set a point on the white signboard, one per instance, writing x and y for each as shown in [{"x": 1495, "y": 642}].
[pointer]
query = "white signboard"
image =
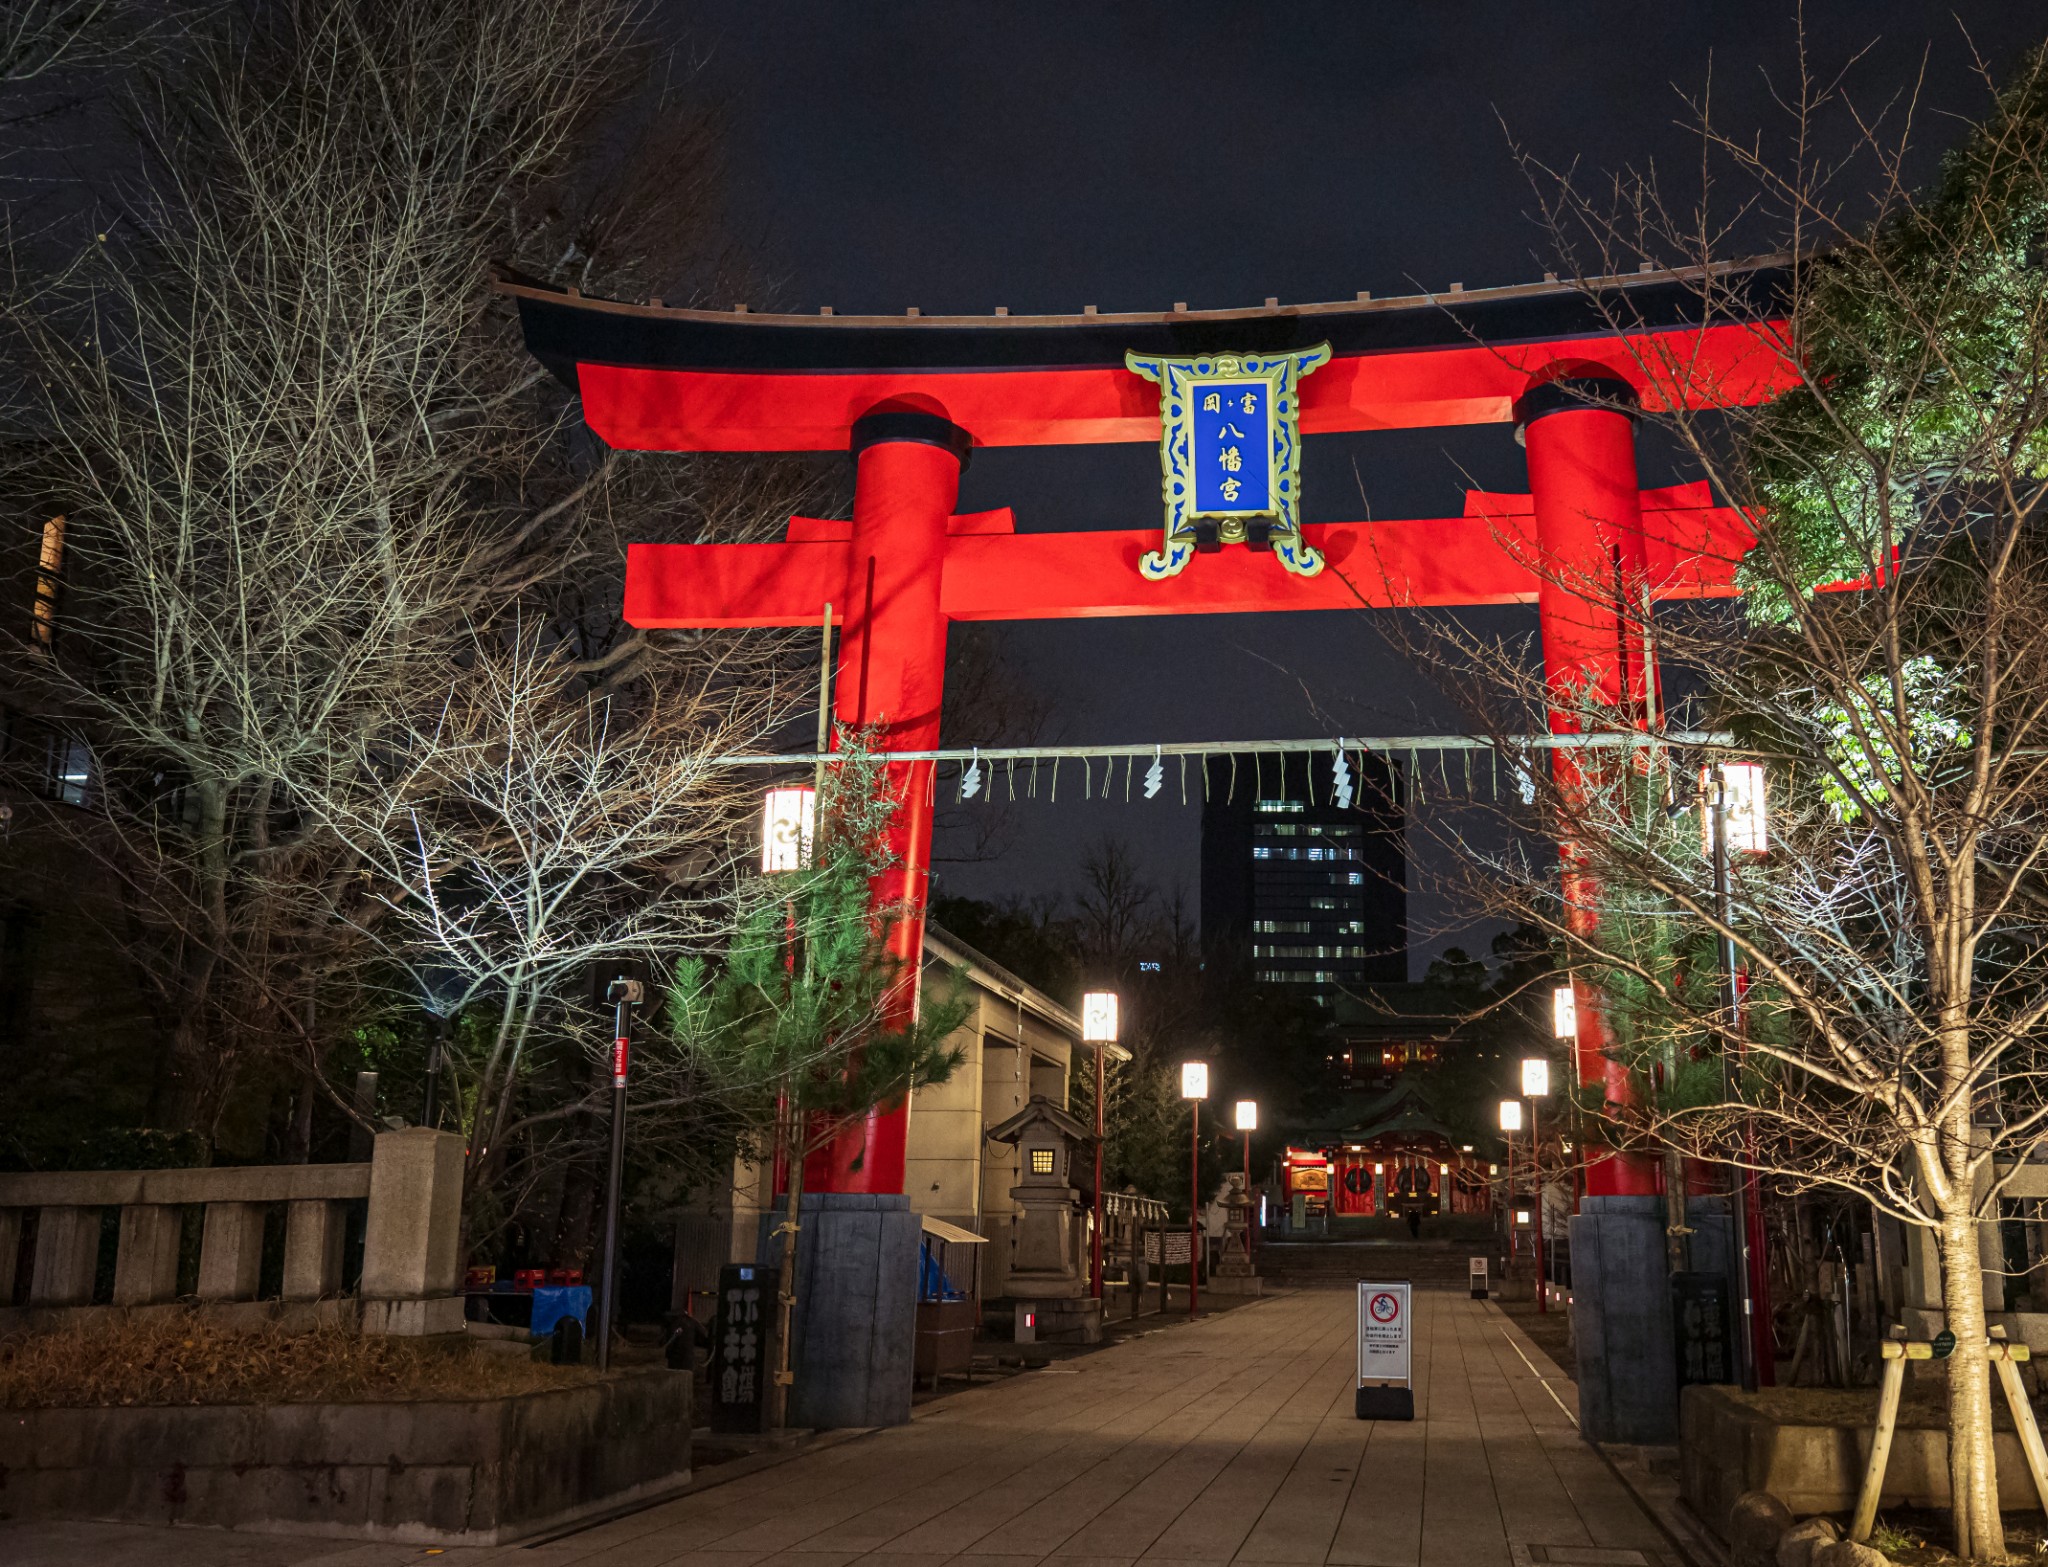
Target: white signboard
[{"x": 1383, "y": 1336}]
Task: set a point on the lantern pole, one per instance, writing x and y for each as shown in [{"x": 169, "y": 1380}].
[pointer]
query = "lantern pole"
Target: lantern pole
[
  {"x": 1195, "y": 1208},
  {"x": 1194, "y": 1088},
  {"x": 1095, "y": 1264},
  {"x": 1099, "y": 1022},
  {"x": 1248, "y": 1123},
  {"x": 1536, "y": 1165},
  {"x": 1739, "y": 1179},
  {"x": 1535, "y": 1084},
  {"x": 1510, "y": 1123}
]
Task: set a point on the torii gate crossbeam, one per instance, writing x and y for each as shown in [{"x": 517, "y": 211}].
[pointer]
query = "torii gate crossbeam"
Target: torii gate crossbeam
[{"x": 911, "y": 396}]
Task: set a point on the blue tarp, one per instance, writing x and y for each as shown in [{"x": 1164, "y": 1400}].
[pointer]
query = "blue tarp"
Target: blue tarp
[{"x": 553, "y": 1302}]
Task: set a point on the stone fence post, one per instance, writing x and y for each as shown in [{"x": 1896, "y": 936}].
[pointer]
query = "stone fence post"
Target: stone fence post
[{"x": 412, "y": 1238}]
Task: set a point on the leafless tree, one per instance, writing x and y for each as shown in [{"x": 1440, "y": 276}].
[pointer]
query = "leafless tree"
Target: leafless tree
[
  {"x": 1888, "y": 665},
  {"x": 309, "y": 473},
  {"x": 39, "y": 38},
  {"x": 516, "y": 831}
]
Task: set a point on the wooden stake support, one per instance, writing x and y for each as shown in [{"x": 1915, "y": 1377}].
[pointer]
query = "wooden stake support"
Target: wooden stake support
[
  {"x": 2006, "y": 1358},
  {"x": 1896, "y": 1351}
]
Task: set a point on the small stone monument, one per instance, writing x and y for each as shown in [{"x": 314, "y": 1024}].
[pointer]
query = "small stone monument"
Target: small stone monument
[
  {"x": 1236, "y": 1273},
  {"x": 1048, "y": 1270}
]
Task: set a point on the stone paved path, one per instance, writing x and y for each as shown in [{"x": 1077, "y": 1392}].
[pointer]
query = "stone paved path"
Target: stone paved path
[{"x": 1232, "y": 1440}]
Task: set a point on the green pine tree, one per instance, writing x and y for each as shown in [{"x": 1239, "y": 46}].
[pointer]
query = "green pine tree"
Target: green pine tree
[{"x": 799, "y": 1026}]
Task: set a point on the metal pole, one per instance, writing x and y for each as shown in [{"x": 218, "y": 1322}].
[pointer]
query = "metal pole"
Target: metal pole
[
  {"x": 608, "y": 1277},
  {"x": 1536, "y": 1164},
  {"x": 1745, "y": 1333},
  {"x": 430, "y": 1112},
  {"x": 1096, "y": 1268},
  {"x": 1194, "y": 1209}
]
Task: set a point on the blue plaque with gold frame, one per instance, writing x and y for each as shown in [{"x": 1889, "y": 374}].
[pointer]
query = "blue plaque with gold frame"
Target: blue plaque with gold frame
[{"x": 1230, "y": 455}]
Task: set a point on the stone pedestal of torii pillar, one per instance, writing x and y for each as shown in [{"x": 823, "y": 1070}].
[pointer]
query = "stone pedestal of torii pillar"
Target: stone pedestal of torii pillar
[{"x": 1579, "y": 431}]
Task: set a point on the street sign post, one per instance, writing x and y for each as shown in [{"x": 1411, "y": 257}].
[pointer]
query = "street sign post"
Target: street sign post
[
  {"x": 1476, "y": 1269},
  {"x": 1386, "y": 1388}
]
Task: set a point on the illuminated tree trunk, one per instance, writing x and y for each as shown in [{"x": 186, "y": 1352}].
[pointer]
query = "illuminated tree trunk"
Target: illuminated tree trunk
[{"x": 1972, "y": 1461}]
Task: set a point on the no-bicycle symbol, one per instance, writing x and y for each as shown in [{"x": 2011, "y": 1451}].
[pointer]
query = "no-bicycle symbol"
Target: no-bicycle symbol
[{"x": 1385, "y": 1308}]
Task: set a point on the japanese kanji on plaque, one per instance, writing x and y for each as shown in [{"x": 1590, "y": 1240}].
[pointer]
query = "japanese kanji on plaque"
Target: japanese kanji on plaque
[
  {"x": 1230, "y": 455},
  {"x": 742, "y": 1346}
]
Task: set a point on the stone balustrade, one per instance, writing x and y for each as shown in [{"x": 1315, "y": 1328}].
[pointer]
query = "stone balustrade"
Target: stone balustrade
[{"x": 411, "y": 1191}]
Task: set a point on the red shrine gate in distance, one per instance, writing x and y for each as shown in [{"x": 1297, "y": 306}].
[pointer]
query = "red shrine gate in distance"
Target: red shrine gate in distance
[{"x": 910, "y": 397}]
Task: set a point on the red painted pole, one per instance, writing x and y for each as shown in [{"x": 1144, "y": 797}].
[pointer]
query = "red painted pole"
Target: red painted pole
[
  {"x": 892, "y": 664},
  {"x": 1508, "y": 1208},
  {"x": 1536, "y": 1164},
  {"x": 1579, "y": 430},
  {"x": 1195, "y": 1208},
  {"x": 1095, "y": 1272},
  {"x": 1251, "y": 1214}
]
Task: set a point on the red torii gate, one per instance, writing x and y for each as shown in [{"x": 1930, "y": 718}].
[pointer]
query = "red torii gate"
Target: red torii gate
[{"x": 911, "y": 396}]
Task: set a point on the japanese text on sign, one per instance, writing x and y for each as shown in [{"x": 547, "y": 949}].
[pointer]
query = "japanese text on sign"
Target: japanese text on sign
[
  {"x": 1168, "y": 1249},
  {"x": 1232, "y": 448},
  {"x": 1383, "y": 1334}
]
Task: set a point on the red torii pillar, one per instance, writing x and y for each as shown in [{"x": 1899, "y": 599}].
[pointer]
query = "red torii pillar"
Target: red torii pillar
[
  {"x": 892, "y": 672},
  {"x": 1579, "y": 431}
]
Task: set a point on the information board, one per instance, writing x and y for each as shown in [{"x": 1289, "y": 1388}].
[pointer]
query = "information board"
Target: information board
[
  {"x": 1385, "y": 1340},
  {"x": 1170, "y": 1248}
]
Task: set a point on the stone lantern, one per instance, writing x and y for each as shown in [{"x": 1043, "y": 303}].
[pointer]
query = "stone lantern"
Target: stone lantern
[
  {"x": 1048, "y": 1277},
  {"x": 1236, "y": 1273}
]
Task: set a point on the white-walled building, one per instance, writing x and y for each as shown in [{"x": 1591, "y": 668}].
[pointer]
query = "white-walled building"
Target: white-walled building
[{"x": 1018, "y": 1041}]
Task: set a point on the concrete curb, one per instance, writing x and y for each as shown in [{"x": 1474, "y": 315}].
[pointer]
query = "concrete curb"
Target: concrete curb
[
  {"x": 1635, "y": 1468},
  {"x": 707, "y": 1480}
]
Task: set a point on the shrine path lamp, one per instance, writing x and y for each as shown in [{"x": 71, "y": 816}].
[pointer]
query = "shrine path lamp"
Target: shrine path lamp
[
  {"x": 1564, "y": 1013},
  {"x": 1732, "y": 812},
  {"x": 1194, "y": 1088},
  {"x": 1099, "y": 1017},
  {"x": 1535, "y": 1084},
  {"x": 1247, "y": 1115},
  {"x": 788, "y": 819},
  {"x": 1098, "y": 1028},
  {"x": 1511, "y": 1115}
]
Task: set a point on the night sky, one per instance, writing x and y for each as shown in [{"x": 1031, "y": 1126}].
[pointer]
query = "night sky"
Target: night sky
[{"x": 958, "y": 156}]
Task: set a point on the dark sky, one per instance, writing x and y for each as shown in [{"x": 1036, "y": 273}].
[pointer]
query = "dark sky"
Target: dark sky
[{"x": 956, "y": 156}]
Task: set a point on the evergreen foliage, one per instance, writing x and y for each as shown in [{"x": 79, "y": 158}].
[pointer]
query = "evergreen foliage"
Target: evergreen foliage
[
  {"x": 1906, "y": 340},
  {"x": 797, "y": 1014}
]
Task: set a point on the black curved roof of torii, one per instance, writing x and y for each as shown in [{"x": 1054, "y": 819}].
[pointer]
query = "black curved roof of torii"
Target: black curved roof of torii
[{"x": 563, "y": 327}]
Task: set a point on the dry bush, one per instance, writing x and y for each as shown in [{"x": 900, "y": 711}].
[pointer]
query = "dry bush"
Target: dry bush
[{"x": 177, "y": 1359}]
